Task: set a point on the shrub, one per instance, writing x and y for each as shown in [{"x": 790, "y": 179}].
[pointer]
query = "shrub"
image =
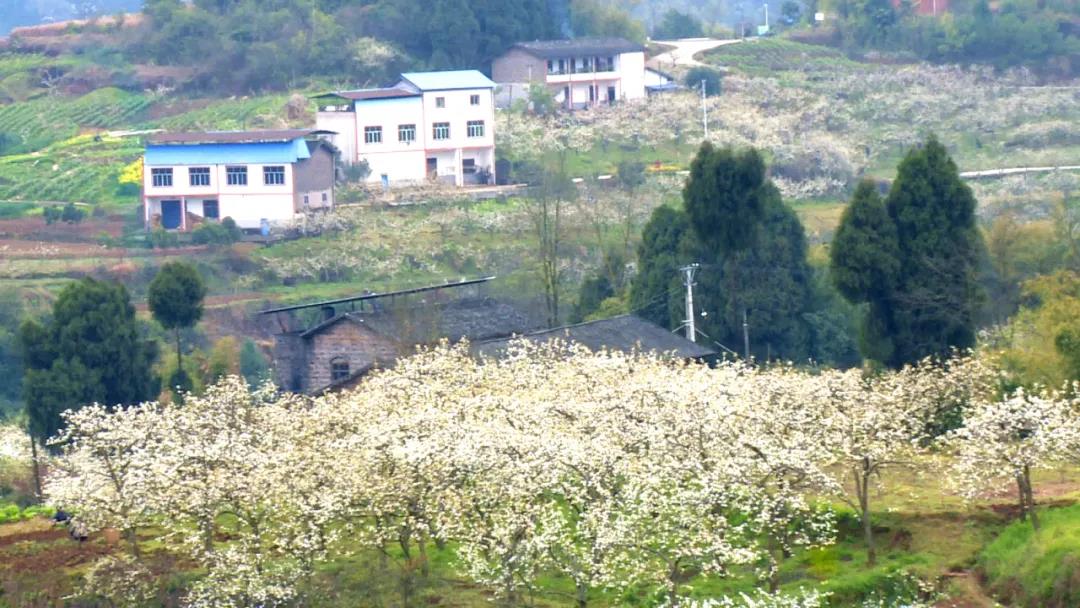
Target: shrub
[
  {"x": 72, "y": 214},
  {"x": 356, "y": 172},
  {"x": 163, "y": 239},
  {"x": 214, "y": 233},
  {"x": 713, "y": 79},
  {"x": 51, "y": 214}
]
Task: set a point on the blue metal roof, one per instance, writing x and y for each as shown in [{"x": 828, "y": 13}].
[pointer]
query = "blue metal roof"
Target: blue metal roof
[
  {"x": 221, "y": 154},
  {"x": 445, "y": 81}
]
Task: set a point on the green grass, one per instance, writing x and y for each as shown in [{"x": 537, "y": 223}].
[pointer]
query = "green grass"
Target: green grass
[
  {"x": 766, "y": 56},
  {"x": 1029, "y": 567}
]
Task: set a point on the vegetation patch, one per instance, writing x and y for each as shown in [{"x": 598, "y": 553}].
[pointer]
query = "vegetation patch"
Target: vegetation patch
[{"x": 1037, "y": 568}]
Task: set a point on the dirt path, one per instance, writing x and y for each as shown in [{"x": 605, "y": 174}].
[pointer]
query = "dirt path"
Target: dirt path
[
  {"x": 968, "y": 593},
  {"x": 685, "y": 52}
]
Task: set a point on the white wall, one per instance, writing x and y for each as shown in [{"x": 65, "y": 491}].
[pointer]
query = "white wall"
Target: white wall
[
  {"x": 248, "y": 205},
  {"x": 458, "y": 113},
  {"x": 248, "y": 210},
  {"x": 344, "y": 124},
  {"x": 631, "y": 68}
]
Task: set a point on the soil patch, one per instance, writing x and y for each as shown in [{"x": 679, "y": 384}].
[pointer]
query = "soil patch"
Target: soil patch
[{"x": 35, "y": 228}]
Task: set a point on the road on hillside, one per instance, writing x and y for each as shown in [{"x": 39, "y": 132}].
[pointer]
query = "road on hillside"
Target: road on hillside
[{"x": 685, "y": 51}]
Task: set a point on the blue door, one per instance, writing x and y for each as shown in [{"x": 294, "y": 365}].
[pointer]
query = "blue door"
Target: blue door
[{"x": 170, "y": 215}]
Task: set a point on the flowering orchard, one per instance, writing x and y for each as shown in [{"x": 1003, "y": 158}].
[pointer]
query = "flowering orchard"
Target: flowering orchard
[{"x": 625, "y": 473}]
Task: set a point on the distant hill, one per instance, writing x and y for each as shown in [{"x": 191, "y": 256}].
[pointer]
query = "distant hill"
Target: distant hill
[{"x": 16, "y": 13}]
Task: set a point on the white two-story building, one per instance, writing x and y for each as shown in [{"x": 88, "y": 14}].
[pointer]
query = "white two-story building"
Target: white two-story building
[
  {"x": 430, "y": 125},
  {"x": 254, "y": 177},
  {"x": 580, "y": 73}
]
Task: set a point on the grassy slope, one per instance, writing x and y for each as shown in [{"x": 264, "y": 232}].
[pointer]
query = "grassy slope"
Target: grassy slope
[{"x": 1037, "y": 568}]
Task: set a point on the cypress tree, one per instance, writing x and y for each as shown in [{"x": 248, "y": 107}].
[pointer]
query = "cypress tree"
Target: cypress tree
[
  {"x": 864, "y": 261},
  {"x": 913, "y": 260},
  {"x": 90, "y": 351},
  {"x": 658, "y": 264}
]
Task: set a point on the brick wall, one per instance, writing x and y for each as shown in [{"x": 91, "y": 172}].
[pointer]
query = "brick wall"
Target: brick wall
[
  {"x": 513, "y": 66},
  {"x": 347, "y": 340}
]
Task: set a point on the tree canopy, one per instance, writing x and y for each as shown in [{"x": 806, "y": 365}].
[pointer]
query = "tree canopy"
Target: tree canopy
[
  {"x": 90, "y": 350},
  {"x": 914, "y": 260},
  {"x": 752, "y": 251},
  {"x": 284, "y": 43}
]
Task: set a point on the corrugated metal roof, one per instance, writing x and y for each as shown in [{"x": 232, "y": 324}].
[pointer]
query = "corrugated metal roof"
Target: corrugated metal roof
[
  {"x": 553, "y": 49},
  {"x": 448, "y": 81},
  {"x": 624, "y": 333},
  {"x": 233, "y": 137},
  {"x": 363, "y": 94},
  {"x": 225, "y": 153}
]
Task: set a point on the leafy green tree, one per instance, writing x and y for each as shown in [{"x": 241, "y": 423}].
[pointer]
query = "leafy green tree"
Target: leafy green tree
[
  {"x": 914, "y": 262},
  {"x": 176, "y": 301},
  {"x": 596, "y": 18},
  {"x": 676, "y": 24},
  {"x": 90, "y": 350},
  {"x": 712, "y": 78}
]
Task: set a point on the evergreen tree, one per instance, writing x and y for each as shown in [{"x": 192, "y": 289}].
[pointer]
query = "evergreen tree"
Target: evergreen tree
[
  {"x": 770, "y": 282},
  {"x": 725, "y": 197},
  {"x": 914, "y": 262},
  {"x": 90, "y": 350},
  {"x": 752, "y": 251},
  {"x": 176, "y": 301},
  {"x": 937, "y": 294},
  {"x": 658, "y": 264},
  {"x": 864, "y": 262}
]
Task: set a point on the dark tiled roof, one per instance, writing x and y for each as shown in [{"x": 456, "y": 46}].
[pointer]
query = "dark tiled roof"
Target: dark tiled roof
[
  {"x": 383, "y": 93},
  {"x": 475, "y": 319},
  {"x": 233, "y": 137},
  {"x": 554, "y": 49},
  {"x": 625, "y": 333}
]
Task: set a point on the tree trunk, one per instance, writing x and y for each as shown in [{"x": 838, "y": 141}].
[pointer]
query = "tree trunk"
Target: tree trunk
[
  {"x": 1022, "y": 495},
  {"x": 179, "y": 360},
  {"x": 582, "y": 593},
  {"x": 37, "y": 469},
  {"x": 862, "y": 488},
  {"x": 1030, "y": 497}
]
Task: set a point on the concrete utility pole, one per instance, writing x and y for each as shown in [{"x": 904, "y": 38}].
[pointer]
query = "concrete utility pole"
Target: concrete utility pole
[
  {"x": 766, "y": 17},
  {"x": 704, "y": 110},
  {"x": 688, "y": 281}
]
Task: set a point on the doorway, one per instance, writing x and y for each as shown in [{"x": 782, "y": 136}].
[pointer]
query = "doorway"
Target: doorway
[
  {"x": 432, "y": 168},
  {"x": 611, "y": 95},
  {"x": 170, "y": 215}
]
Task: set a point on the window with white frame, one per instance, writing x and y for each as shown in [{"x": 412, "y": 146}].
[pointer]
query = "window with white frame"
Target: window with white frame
[
  {"x": 406, "y": 134},
  {"x": 161, "y": 178},
  {"x": 236, "y": 176},
  {"x": 440, "y": 102},
  {"x": 199, "y": 176},
  {"x": 474, "y": 100},
  {"x": 274, "y": 175},
  {"x": 475, "y": 128},
  {"x": 372, "y": 135},
  {"x": 440, "y": 130}
]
